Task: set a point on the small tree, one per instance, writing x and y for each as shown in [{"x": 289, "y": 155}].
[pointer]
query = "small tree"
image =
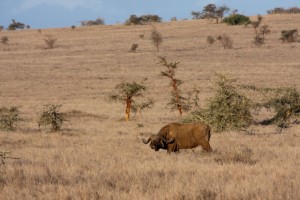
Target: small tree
[
  {"x": 9, "y": 118},
  {"x": 178, "y": 102},
  {"x": 126, "y": 92},
  {"x": 211, "y": 11},
  {"x": 16, "y": 25},
  {"x": 156, "y": 38},
  {"x": 50, "y": 42},
  {"x": 51, "y": 116}
]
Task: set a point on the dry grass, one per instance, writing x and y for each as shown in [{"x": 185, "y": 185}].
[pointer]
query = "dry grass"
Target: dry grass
[{"x": 97, "y": 155}]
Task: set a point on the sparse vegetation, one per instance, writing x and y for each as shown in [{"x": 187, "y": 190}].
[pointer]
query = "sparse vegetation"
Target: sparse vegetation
[
  {"x": 260, "y": 31},
  {"x": 1, "y": 28},
  {"x": 211, "y": 12},
  {"x": 50, "y": 41},
  {"x": 9, "y": 117},
  {"x": 156, "y": 38},
  {"x": 73, "y": 27},
  {"x": 98, "y": 21},
  {"x": 289, "y": 35},
  {"x": 225, "y": 41},
  {"x": 52, "y": 116},
  {"x": 236, "y": 19},
  {"x": 144, "y": 19},
  {"x": 178, "y": 102},
  {"x": 127, "y": 92},
  {"x": 280, "y": 10},
  {"x": 4, "y": 39}
]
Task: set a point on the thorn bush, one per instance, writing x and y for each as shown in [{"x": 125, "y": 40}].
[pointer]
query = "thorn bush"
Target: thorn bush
[
  {"x": 228, "y": 109},
  {"x": 9, "y": 118},
  {"x": 51, "y": 116}
]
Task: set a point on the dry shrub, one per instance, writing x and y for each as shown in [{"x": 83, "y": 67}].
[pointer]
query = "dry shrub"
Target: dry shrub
[
  {"x": 258, "y": 40},
  {"x": 50, "y": 42},
  {"x": 227, "y": 110},
  {"x": 156, "y": 38},
  {"x": 225, "y": 40},
  {"x": 241, "y": 155},
  {"x": 4, "y": 39},
  {"x": 1, "y": 28},
  {"x": 9, "y": 118},
  {"x": 289, "y": 35},
  {"x": 51, "y": 116},
  {"x": 210, "y": 39},
  {"x": 133, "y": 47}
]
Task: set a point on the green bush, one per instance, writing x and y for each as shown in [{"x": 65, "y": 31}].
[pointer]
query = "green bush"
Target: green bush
[
  {"x": 236, "y": 19},
  {"x": 52, "y": 116},
  {"x": 227, "y": 110},
  {"x": 286, "y": 104},
  {"x": 8, "y": 118}
]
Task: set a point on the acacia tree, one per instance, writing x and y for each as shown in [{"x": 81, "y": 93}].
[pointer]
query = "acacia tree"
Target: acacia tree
[
  {"x": 126, "y": 92},
  {"x": 211, "y": 11},
  {"x": 177, "y": 101}
]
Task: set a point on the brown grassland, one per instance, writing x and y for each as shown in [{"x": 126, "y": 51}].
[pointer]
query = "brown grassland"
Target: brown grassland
[{"x": 98, "y": 155}]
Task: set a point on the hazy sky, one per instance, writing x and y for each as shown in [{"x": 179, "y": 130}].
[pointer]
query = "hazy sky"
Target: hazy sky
[{"x": 65, "y": 13}]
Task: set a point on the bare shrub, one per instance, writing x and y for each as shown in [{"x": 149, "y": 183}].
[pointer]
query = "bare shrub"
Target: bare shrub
[
  {"x": 133, "y": 47},
  {"x": 225, "y": 41},
  {"x": 257, "y": 23},
  {"x": 50, "y": 42},
  {"x": 4, "y": 39},
  {"x": 289, "y": 35},
  {"x": 156, "y": 38},
  {"x": 258, "y": 40},
  {"x": 1, "y": 28},
  {"x": 210, "y": 39},
  {"x": 51, "y": 116},
  {"x": 9, "y": 118}
]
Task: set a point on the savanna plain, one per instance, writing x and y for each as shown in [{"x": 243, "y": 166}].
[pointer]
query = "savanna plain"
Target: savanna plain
[{"x": 99, "y": 155}]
